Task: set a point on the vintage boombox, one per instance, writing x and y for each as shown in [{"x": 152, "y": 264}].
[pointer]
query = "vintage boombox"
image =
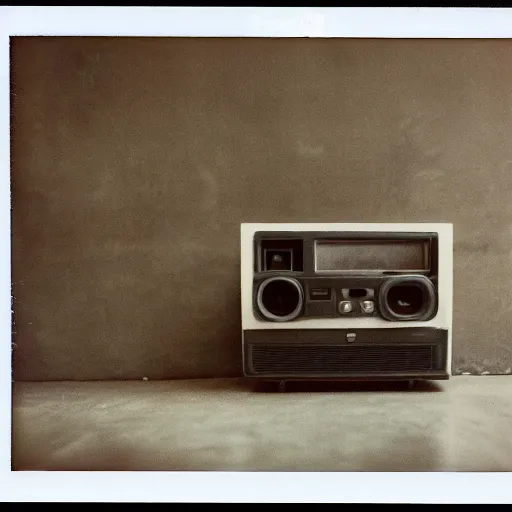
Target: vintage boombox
[{"x": 346, "y": 301}]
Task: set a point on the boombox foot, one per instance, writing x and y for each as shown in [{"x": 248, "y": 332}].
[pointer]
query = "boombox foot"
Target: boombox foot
[
  {"x": 281, "y": 386},
  {"x": 410, "y": 384}
]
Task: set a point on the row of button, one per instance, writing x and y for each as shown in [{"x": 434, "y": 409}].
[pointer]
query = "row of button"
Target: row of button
[{"x": 346, "y": 306}]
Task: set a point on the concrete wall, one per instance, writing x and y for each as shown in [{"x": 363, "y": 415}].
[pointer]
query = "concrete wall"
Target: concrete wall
[{"x": 135, "y": 160}]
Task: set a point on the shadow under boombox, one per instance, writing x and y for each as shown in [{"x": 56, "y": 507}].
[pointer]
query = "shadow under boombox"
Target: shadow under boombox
[{"x": 347, "y": 301}]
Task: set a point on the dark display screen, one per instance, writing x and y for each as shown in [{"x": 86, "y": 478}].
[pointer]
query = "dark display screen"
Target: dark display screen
[{"x": 374, "y": 255}]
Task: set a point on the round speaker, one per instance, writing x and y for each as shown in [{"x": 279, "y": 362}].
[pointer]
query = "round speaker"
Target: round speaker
[
  {"x": 405, "y": 298},
  {"x": 280, "y": 299}
]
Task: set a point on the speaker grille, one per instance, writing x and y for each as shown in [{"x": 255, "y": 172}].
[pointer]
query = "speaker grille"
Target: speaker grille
[{"x": 329, "y": 359}]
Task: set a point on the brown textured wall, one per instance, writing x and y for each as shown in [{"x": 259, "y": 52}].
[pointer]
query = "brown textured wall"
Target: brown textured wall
[{"x": 135, "y": 160}]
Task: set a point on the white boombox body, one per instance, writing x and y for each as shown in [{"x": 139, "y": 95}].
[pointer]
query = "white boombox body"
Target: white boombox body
[{"x": 347, "y": 301}]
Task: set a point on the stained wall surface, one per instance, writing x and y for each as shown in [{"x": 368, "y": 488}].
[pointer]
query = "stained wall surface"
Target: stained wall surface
[{"x": 134, "y": 161}]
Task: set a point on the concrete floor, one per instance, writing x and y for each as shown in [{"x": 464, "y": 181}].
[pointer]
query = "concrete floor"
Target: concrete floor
[{"x": 464, "y": 424}]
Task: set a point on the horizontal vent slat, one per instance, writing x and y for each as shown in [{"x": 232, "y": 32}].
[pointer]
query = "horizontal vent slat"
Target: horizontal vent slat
[{"x": 301, "y": 359}]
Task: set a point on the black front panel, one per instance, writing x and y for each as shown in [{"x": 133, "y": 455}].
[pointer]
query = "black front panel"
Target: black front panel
[
  {"x": 338, "y": 353},
  {"x": 347, "y": 291}
]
